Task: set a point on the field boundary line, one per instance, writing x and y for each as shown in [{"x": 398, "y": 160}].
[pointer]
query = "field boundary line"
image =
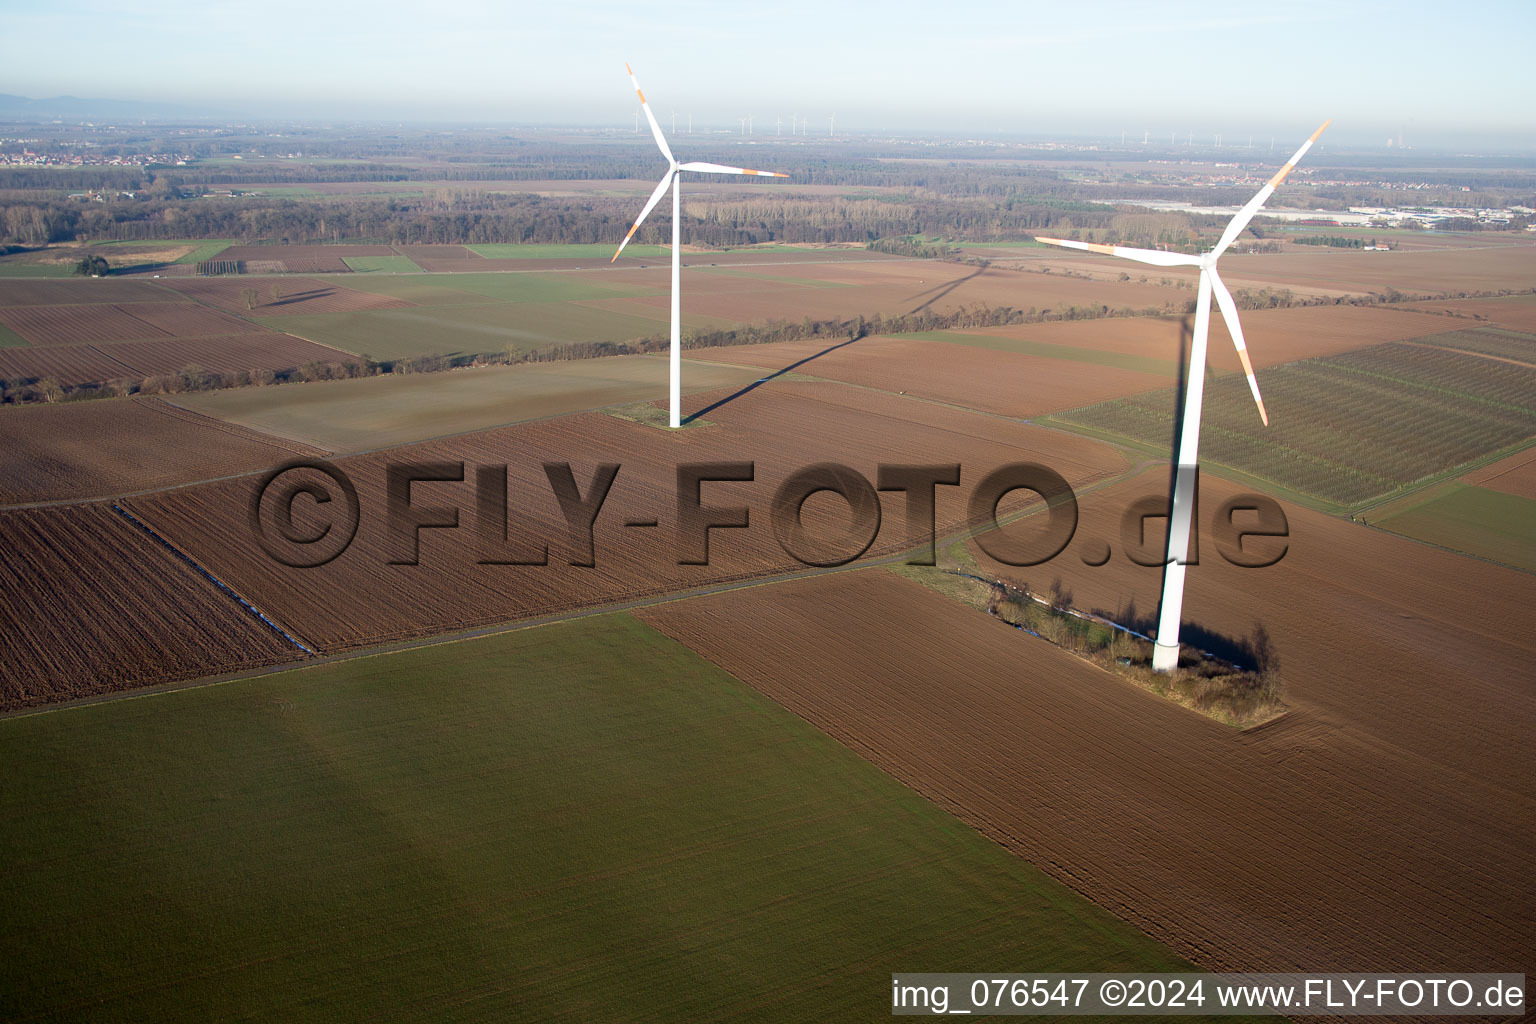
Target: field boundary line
[{"x": 248, "y": 606}]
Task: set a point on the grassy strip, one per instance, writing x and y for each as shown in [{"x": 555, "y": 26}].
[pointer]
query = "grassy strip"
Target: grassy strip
[{"x": 567, "y": 822}]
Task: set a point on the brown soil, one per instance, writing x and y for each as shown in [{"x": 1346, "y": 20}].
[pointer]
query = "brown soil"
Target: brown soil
[
  {"x": 1006, "y": 383},
  {"x": 360, "y": 598},
  {"x": 300, "y": 295},
  {"x": 1515, "y": 475},
  {"x": 1334, "y": 838},
  {"x": 91, "y": 449},
  {"x": 90, "y": 604}
]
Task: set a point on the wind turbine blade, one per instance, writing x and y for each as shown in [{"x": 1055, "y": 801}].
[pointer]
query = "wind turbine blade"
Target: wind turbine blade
[
  {"x": 1246, "y": 214},
  {"x": 699, "y": 165},
  {"x": 650, "y": 117},
  {"x": 1156, "y": 257},
  {"x": 1229, "y": 314},
  {"x": 650, "y": 204}
]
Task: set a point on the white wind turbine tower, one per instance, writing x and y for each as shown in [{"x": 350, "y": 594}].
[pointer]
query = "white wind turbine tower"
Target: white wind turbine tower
[
  {"x": 1165, "y": 655},
  {"x": 671, "y": 180}
]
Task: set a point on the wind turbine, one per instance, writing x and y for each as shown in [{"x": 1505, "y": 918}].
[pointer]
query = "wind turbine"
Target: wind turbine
[
  {"x": 671, "y": 180},
  {"x": 1165, "y": 656}
]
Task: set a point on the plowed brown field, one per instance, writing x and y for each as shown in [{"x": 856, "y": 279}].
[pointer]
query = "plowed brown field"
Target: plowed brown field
[
  {"x": 1274, "y": 336},
  {"x": 96, "y": 449},
  {"x": 1341, "y": 272},
  {"x": 70, "y": 364},
  {"x": 1515, "y": 475},
  {"x": 90, "y": 604},
  {"x": 1420, "y": 272},
  {"x": 269, "y": 350},
  {"x": 890, "y": 288},
  {"x": 45, "y": 292},
  {"x": 1331, "y": 839},
  {"x": 1515, "y": 311},
  {"x": 79, "y": 324},
  {"x": 360, "y": 598},
  {"x": 73, "y": 325},
  {"x": 1006, "y": 383},
  {"x": 89, "y": 364},
  {"x": 300, "y": 295}
]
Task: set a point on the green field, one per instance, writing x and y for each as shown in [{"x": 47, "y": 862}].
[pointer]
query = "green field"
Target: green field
[
  {"x": 373, "y": 412},
  {"x": 203, "y": 249},
  {"x": 11, "y": 268},
  {"x": 422, "y": 289},
  {"x": 583, "y": 821},
  {"x": 1476, "y": 520},
  {"x": 10, "y": 339},
  {"x": 206, "y": 251},
  {"x": 1121, "y": 361},
  {"x": 381, "y": 264},
  {"x": 588, "y": 251},
  {"x": 520, "y": 287},
  {"x": 1347, "y": 428},
  {"x": 470, "y": 329}
]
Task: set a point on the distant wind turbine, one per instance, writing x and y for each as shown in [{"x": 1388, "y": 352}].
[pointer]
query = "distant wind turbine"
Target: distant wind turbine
[
  {"x": 671, "y": 180},
  {"x": 1165, "y": 656}
]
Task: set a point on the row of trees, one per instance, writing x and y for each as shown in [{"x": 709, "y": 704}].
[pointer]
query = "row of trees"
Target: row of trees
[{"x": 466, "y": 216}]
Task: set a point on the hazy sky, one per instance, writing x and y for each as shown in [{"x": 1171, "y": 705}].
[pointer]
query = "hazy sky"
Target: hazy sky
[{"x": 1094, "y": 67}]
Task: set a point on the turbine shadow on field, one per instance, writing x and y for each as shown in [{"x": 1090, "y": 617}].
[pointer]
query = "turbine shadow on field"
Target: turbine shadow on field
[
  {"x": 313, "y": 293},
  {"x": 937, "y": 292},
  {"x": 764, "y": 380}
]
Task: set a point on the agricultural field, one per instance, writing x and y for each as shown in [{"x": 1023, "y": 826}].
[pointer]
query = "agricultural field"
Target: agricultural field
[
  {"x": 26, "y": 292},
  {"x": 598, "y": 251},
  {"x": 1005, "y": 383},
  {"x": 1517, "y": 312},
  {"x": 360, "y": 598},
  {"x": 720, "y": 860},
  {"x": 1347, "y": 428},
  {"x": 381, "y": 264},
  {"x": 1511, "y": 346},
  {"x": 98, "y": 449},
  {"x": 1337, "y": 273},
  {"x": 76, "y": 365},
  {"x": 1155, "y": 344},
  {"x": 75, "y": 324},
  {"x": 1480, "y": 521},
  {"x": 468, "y": 330},
  {"x": 123, "y": 257},
  {"x": 90, "y": 604},
  {"x": 376, "y": 412},
  {"x": 1515, "y": 474},
  {"x": 1273, "y": 849},
  {"x": 280, "y": 297}
]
